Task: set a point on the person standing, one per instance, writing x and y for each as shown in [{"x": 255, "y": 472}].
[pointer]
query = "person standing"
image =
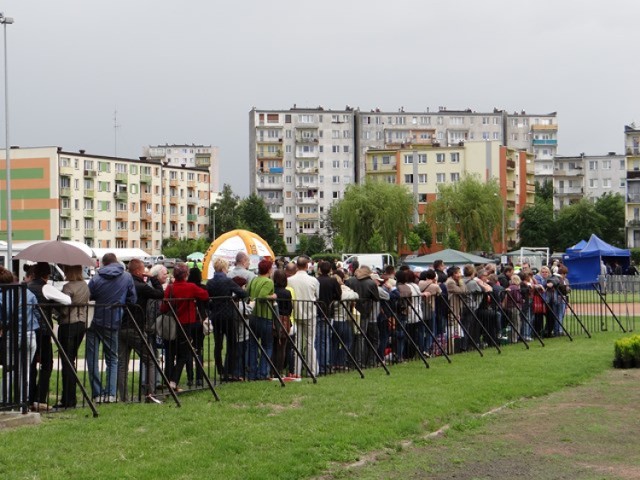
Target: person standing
[
  {"x": 183, "y": 296},
  {"x": 241, "y": 268},
  {"x": 128, "y": 337},
  {"x": 261, "y": 289},
  {"x": 306, "y": 290},
  {"x": 329, "y": 295},
  {"x": 110, "y": 287},
  {"x": 223, "y": 316},
  {"x": 72, "y": 324},
  {"x": 368, "y": 294}
]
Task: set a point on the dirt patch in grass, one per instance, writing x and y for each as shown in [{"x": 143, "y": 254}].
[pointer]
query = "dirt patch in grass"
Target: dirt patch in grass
[{"x": 584, "y": 432}]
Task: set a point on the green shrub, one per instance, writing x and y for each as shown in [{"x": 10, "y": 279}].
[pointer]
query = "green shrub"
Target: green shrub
[
  {"x": 627, "y": 349},
  {"x": 635, "y": 255},
  {"x": 330, "y": 257}
]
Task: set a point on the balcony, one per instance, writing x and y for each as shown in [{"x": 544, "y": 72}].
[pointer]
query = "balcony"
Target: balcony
[
  {"x": 633, "y": 198},
  {"x": 67, "y": 171},
  {"x": 89, "y": 233},
  {"x": 146, "y": 197},
  {"x": 308, "y": 138},
  {"x": 145, "y": 233},
  {"x": 381, "y": 167},
  {"x": 89, "y": 214},
  {"x": 569, "y": 191},
  {"x": 192, "y": 200},
  {"x": 174, "y": 182},
  {"x": 544, "y": 128},
  {"x": 122, "y": 215},
  {"x": 145, "y": 178},
  {"x": 65, "y": 233},
  {"x": 307, "y": 186},
  {"x": 271, "y": 171},
  {"x": 531, "y": 188},
  {"x": 192, "y": 184},
  {"x": 122, "y": 177},
  {"x": 192, "y": 235},
  {"x": 633, "y": 223},
  {"x": 65, "y": 212},
  {"x": 538, "y": 142},
  {"x": 511, "y": 184},
  {"x": 307, "y": 216},
  {"x": 511, "y": 165},
  {"x": 145, "y": 216},
  {"x": 192, "y": 217},
  {"x": 65, "y": 191},
  {"x": 511, "y": 204},
  {"x": 633, "y": 174},
  {"x": 270, "y": 186},
  {"x": 203, "y": 160},
  {"x": 89, "y": 173},
  {"x": 174, "y": 217},
  {"x": 311, "y": 170},
  {"x": 89, "y": 193},
  {"x": 261, "y": 154},
  {"x": 122, "y": 234},
  {"x": 307, "y": 200},
  {"x": 568, "y": 172},
  {"x": 121, "y": 196}
]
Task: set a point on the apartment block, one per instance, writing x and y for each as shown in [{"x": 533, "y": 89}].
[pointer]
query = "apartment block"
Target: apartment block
[
  {"x": 105, "y": 202},
  {"x": 423, "y": 168},
  {"x": 632, "y": 212},
  {"x": 586, "y": 176},
  {"x": 302, "y": 159}
]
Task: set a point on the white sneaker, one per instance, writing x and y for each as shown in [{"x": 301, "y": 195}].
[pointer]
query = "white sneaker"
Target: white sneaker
[{"x": 110, "y": 399}]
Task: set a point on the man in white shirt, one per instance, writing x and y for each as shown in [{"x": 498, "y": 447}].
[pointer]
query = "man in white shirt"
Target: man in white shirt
[
  {"x": 240, "y": 268},
  {"x": 306, "y": 289}
]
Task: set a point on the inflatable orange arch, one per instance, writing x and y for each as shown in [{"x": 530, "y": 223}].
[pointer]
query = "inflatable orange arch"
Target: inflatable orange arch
[{"x": 230, "y": 243}]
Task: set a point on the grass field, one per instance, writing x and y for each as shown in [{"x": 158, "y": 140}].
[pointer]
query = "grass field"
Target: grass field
[{"x": 261, "y": 430}]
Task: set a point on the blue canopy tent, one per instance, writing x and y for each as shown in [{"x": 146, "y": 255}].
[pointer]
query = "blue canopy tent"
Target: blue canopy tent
[{"x": 584, "y": 263}]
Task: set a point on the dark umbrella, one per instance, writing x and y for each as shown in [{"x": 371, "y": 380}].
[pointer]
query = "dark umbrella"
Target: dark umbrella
[{"x": 56, "y": 251}]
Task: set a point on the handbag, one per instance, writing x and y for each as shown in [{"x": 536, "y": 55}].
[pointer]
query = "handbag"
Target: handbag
[
  {"x": 207, "y": 327},
  {"x": 538, "y": 304},
  {"x": 166, "y": 324}
]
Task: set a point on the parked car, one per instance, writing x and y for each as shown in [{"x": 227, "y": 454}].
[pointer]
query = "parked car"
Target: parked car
[
  {"x": 171, "y": 262},
  {"x": 153, "y": 260}
]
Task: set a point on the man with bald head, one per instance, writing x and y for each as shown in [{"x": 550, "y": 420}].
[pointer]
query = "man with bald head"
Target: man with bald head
[{"x": 241, "y": 268}]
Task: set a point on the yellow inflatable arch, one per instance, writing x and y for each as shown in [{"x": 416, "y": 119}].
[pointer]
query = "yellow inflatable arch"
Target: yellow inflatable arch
[{"x": 230, "y": 243}]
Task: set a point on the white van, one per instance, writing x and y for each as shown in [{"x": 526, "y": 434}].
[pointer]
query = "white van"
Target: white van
[{"x": 372, "y": 260}]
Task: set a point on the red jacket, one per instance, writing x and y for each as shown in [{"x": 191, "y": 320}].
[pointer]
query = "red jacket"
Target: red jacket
[{"x": 186, "y": 294}]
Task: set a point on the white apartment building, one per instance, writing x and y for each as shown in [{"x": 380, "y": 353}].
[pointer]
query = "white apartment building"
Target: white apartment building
[
  {"x": 302, "y": 159},
  {"x": 194, "y": 156},
  {"x": 105, "y": 202},
  {"x": 585, "y": 176}
]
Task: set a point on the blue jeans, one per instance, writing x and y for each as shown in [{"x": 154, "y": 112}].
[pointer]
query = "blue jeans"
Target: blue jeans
[
  {"x": 338, "y": 352},
  {"x": 323, "y": 345},
  {"x": 109, "y": 339},
  {"x": 263, "y": 329},
  {"x": 559, "y": 309},
  {"x": 401, "y": 338}
]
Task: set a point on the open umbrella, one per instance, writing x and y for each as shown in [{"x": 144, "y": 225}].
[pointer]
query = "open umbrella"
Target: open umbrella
[
  {"x": 195, "y": 256},
  {"x": 56, "y": 251}
]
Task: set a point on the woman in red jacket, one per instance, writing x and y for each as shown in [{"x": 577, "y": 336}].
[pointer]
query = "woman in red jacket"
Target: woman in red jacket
[{"x": 183, "y": 297}]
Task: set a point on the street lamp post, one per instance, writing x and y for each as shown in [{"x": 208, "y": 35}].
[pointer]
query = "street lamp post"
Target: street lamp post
[
  {"x": 163, "y": 162},
  {"x": 7, "y": 21}
]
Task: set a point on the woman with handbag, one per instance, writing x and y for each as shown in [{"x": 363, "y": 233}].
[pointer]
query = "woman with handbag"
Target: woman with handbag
[{"x": 182, "y": 296}]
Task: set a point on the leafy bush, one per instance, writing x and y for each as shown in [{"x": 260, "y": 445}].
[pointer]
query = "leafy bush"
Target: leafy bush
[
  {"x": 635, "y": 255},
  {"x": 627, "y": 351},
  {"x": 330, "y": 257}
]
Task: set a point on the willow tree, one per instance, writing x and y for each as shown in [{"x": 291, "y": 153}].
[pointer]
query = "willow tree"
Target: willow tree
[
  {"x": 471, "y": 208},
  {"x": 373, "y": 210}
]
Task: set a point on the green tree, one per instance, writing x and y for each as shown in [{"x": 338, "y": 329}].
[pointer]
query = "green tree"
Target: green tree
[
  {"x": 611, "y": 207},
  {"x": 303, "y": 245},
  {"x": 576, "y": 222},
  {"x": 423, "y": 230},
  {"x": 254, "y": 216},
  {"x": 372, "y": 216},
  {"x": 471, "y": 208},
  {"x": 537, "y": 226},
  {"x": 544, "y": 191},
  {"x": 452, "y": 240},
  {"x": 226, "y": 212},
  {"x": 413, "y": 241},
  {"x": 180, "y": 248},
  {"x": 316, "y": 245}
]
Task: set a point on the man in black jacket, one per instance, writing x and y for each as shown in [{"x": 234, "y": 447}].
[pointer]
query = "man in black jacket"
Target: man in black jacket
[
  {"x": 129, "y": 336},
  {"x": 367, "y": 290},
  {"x": 330, "y": 291}
]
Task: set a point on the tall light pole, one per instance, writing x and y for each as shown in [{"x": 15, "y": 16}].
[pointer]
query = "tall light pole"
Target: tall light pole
[
  {"x": 163, "y": 162},
  {"x": 7, "y": 21}
]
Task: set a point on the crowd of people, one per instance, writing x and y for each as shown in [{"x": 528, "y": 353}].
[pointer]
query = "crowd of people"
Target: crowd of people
[{"x": 287, "y": 319}]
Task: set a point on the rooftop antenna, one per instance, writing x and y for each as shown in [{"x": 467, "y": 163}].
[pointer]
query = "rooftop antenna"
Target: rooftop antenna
[{"x": 116, "y": 126}]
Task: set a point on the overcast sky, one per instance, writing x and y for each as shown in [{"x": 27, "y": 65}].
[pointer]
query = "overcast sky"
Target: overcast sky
[{"x": 189, "y": 72}]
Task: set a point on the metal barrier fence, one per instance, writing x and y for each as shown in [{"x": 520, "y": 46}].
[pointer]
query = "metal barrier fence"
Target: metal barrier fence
[
  {"x": 91, "y": 354},
  {"x": 17, "y": 345}
]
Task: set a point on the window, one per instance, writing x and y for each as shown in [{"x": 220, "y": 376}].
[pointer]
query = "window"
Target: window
[
  {"x": 306, "y": 118},
  {"x": 88, "y": 204},
  {"x": 496, "y": 136},
  {"x": 345, "y": 163},
  {"x": 456, "y": 121},
  {"x": 440, "y": 177},
  {"x": 622, "y": 183},
  {"x": 422, "y": 158},
  {"x": 593, "y": 183},
  {"x": 439, "y": 237},
  {"x": 408, "y": 178},
  {"x": 88, "y": 164},
  {"x": 622, "y": 166},
  {"x": 345, "y": 149},
  {"x": 422, "y": 197},
  {"x": 335, "y": 148},
  {"x": 335, "y": 133},
  {"x": 386, "y": 159},
  {"x": 408, "y": 159},
  {"x": 606, "y": 165},
  {"x": 455, "y": 177},
  {"x": 335, "y": 179},
  {"x": 335, "y": 163},
  {"x": 422, "y": 178},
  {"x": 593, "y": 164},
  {"x": 606, "y": 183},
  {"x": 439, "y": 157},
  {"x": 335, "y": 194},
  {"x": 455, "y": 157}
]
